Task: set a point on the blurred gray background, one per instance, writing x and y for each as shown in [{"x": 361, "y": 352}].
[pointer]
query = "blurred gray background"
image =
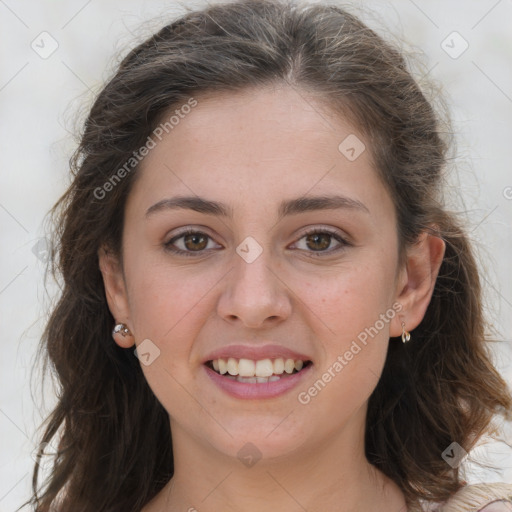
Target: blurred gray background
[{"x": 54, "y": 57}]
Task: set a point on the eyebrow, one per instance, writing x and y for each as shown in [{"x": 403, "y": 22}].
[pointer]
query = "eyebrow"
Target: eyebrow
[{"x": 287, "y": 207}]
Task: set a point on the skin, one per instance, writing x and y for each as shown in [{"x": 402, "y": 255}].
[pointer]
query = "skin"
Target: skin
[{"x": 312, "y": 456}]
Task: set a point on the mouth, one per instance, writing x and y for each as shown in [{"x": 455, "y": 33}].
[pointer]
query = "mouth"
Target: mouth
[
  {"x": 256, "y": 372},
  {"x": 261, "y": 371}
]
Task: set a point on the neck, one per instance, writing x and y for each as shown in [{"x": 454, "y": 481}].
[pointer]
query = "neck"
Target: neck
[{"x": 333, "y": 476}]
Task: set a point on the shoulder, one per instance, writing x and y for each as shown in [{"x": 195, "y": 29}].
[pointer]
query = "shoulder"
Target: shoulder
[{"x": 496, "y": 497}]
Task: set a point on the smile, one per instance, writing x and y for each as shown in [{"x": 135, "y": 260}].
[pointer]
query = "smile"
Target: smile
[
  {"x": 263, "y": 378},
  {"x": 253, "y": 372}
]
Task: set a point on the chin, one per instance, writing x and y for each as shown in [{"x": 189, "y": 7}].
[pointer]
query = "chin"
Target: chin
[{"x": 261, "y": 437}]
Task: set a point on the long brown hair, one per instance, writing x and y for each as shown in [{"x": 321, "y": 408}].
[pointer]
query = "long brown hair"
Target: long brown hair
[{"x": 435, "y": 390}]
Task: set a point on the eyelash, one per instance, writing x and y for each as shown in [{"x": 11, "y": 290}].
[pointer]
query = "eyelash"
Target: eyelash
[{"x": 343, "y": 242}]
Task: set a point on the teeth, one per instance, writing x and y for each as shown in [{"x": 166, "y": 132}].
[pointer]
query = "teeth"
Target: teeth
[
  {"x": 289, "y": 365},
  {"x": 279, "y": 366},
  {"x": 250, "y": 380},
  {"x": 232, "y": 366},
  {"x": 264, "y": 370},
  {"x": 246, "y": 368},
  {"x": 223, "y": 366},
  {"x": 259, "y": 380}
]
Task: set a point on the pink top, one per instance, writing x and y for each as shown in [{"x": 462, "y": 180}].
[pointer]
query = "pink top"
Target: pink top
[
  {"x": 498, "y": 506},
  {"x": 495, "y": 497}
]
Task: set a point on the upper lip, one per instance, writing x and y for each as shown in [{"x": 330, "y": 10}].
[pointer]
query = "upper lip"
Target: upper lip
[{"x": 255, "y": 352}]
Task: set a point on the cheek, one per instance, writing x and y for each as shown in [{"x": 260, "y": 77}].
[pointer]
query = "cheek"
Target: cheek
[
  {"x": 352, "y": 299},
  {"x": 355, "y": 350},
  {"x": 164, "y": 299},
  {"x": 169, "y": 308},
  {"x": 355, "y": 305}
]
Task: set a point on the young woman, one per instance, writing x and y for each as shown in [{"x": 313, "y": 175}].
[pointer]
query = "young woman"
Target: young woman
[{"x": 265, "y": 302}]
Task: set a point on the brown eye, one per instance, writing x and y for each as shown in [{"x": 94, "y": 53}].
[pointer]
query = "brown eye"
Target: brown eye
[
  {"x": 318, "y": 241},
  {"x": 191, "y": 243},
  {"x": 195, "y": 242}
]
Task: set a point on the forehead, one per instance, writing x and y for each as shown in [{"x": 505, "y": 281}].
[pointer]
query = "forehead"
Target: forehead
[
  {"x": 262, "y": 123},
  {"x": 272, "y": 142}
]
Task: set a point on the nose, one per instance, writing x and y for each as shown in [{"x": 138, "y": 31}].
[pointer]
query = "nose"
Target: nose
[{"x": 255, "y": 294}]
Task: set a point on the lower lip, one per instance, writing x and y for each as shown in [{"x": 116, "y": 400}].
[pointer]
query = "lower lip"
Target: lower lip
[{"x": 257, "y": 390}]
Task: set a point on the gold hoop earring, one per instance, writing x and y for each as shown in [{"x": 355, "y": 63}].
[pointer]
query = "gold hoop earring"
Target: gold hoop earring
[{"x": 406, "y": 336}]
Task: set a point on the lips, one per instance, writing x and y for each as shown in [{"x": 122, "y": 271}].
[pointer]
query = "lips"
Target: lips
[
  {"x": 255, "y": 353},
  {"x": 260, "y": 369},
  {"x": 256, "y": 371}
]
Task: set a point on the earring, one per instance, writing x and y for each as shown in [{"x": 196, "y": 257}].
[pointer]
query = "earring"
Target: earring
[
  {"x": 406, "y": 336},
  {"x": 121, "y": 329}
]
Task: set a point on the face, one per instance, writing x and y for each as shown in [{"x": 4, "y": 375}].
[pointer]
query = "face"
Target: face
[{"x": 252, "y": 271}]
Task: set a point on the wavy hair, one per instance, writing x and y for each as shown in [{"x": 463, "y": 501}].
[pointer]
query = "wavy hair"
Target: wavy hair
[{"x": 438, "y": 389}]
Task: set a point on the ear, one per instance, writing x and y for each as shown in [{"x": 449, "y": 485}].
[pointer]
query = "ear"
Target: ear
[
  {"x": 417, "y": 280},
  {"x": 115, "y": 291}
]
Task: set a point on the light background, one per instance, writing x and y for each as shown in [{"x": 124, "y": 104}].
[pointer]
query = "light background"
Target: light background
[{"x": 39, "y": 101}]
